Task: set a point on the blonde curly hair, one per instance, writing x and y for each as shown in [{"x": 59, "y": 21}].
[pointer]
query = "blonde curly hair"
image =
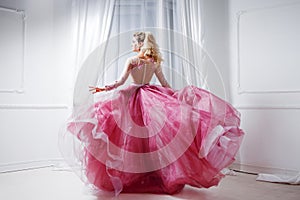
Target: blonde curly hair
[{"x": 149, "y": 47}]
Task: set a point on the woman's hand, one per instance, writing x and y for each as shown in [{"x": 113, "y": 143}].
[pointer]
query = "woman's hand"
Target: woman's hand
[{"x": 96, "y": 89}]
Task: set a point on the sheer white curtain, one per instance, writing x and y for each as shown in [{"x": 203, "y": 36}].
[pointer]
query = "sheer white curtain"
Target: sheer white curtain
[
  {"x": 191, "y": 27},
  {"x": 103, "y": 30},
  {"x": 91, "y": 27}
]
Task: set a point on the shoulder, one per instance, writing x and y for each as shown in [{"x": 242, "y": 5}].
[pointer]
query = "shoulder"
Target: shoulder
[{"x": 133, "y": 60}]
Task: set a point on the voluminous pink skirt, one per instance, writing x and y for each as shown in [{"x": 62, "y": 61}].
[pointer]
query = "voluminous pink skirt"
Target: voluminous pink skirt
[{"x": 153, "y": 139}]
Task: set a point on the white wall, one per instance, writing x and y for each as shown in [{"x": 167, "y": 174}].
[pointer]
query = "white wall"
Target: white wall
[
  {"x": 35, "y": 100},
  {"x": 270, "y": 108},
  {"x": 264, "y": 64},
  {"x": 215, "y": 25}
]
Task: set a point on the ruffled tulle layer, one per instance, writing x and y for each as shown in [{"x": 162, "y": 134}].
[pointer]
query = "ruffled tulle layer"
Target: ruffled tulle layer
[{"x": 153, "y": 139}]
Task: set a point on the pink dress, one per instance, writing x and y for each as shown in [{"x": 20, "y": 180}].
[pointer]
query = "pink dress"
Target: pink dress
[{"x": 151, "y": 138}]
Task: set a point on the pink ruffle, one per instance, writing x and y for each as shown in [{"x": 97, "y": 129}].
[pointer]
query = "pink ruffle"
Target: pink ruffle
[{"x": 154, "y": 139}]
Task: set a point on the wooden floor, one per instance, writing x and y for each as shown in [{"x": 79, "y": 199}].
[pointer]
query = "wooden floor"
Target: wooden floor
[{"x": 48, "y": 183}]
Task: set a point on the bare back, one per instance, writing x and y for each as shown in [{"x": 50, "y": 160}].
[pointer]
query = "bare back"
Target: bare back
[{"x": 141, "y": 71}]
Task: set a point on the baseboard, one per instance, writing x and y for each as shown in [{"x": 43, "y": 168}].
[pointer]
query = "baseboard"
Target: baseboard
[
  {"x": 60, "y": 164},
  {"x": 258, "y": 169},
  {"x": 27, "y": 165}
]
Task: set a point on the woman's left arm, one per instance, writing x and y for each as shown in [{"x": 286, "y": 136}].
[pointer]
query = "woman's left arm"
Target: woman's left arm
[
  {"x": 122, "y": 78},
  {"x": 118, "y": 83}
]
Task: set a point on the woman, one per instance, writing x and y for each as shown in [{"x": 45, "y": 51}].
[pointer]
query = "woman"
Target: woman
[{"x": 151, "y": 138}]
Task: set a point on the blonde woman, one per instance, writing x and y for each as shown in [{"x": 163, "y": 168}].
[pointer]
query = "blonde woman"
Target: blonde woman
[{"x": 151, "y": 138}]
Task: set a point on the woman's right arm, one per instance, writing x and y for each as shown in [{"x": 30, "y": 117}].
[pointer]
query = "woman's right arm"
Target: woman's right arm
[{"x": 160, "y": 75}]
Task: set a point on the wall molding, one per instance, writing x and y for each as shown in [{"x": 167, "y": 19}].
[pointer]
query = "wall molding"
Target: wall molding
[
  {"x": 243, "y": 91},
  {"x": 30, "y": 165},
  {"x": 252, "y": 169},
  {"x": 267, "y": 107},
  {"x": 20, "y": 89},
  {"x": 240, "y": 89},
  {"x": 33, "y": 106}
]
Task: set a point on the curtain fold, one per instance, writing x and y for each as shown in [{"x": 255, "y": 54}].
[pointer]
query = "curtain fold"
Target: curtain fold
[
  {"x": 103, "y": 30},
  {"x": 191, "y": 27},
  {"x": 92, "y": 27}
]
